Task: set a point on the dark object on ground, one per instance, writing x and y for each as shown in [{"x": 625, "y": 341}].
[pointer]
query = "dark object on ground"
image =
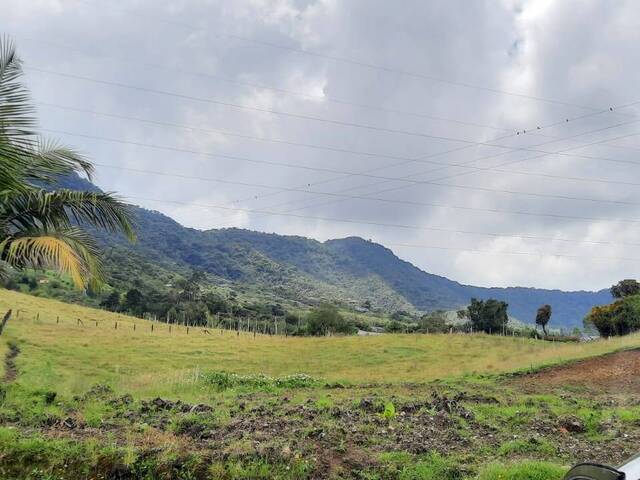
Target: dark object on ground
[{"x": 593, "y": 471}]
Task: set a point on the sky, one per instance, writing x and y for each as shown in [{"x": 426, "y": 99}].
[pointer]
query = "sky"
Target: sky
[{"x": 492, "y": 142}]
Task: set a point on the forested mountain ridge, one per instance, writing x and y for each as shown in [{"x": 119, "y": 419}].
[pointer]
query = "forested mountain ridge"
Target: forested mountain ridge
[{"x": 349, "y": 270}]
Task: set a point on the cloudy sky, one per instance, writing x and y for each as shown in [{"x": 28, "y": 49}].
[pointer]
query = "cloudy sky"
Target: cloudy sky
[{"x": 496, "y": 143}]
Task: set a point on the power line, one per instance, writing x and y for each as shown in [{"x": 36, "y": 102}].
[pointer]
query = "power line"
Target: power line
[
  {"x": 354, "y": 62},
  {"x": 361, "y": 197},
  {"x": 444, "y": 138},
  {"x": 256, "y": 109},
  {"x": 306, "y": 145},
  {"x": 330, "y": 170},
  {"x": 468, "y": 142},
  {"x": 369, "y": 223},
  {"x": 535, "y": 254},
  {"x": 405, "y": 160},
  {"x": 553, "y": 124},
  {"x": 324, "y": 98},
  {"x": 409, "y": 178},
  {"x": 497, "y": 169},
  {"x": 284, "y": 189},
  {"x": 294, "y": 115}
]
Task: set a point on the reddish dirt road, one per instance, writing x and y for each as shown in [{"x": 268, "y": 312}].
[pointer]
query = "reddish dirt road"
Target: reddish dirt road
[{"x": 614, "y": 373}]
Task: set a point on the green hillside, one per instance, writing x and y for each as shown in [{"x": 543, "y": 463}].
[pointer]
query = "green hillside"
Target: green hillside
[{"x": 301, "y": 270}]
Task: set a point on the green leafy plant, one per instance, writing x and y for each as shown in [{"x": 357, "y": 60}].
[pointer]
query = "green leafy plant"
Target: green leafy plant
[{"x": 389, "y": 411}]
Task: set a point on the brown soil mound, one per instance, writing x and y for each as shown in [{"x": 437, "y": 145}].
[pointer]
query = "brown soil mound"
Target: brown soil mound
[{"x": 614, "y": 373}]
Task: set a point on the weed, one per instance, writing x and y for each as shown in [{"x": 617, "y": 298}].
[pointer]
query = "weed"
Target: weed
[
  {"x": 529, "y": 446},
  {"x": 522, "y": 471},
  {"x": 389, "y": 411}
]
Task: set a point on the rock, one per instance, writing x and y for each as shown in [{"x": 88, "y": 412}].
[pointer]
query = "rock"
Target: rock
[{"x": 572, "y": 425}]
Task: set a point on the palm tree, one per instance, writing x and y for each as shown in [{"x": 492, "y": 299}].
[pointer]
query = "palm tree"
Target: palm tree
[{"x": 40, "y": 226}]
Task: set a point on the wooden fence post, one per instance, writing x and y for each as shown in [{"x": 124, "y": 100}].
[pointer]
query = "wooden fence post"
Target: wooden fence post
[{"x": 5, "y": 319}]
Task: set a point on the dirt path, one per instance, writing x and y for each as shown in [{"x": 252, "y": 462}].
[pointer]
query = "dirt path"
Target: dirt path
[
  {"x": 10, "y": 369},
  {"x": 614, "y": 373}
]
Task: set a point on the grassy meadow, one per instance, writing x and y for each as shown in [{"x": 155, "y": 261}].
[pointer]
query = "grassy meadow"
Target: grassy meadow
[
  {"x": 92, "y": 401},
  {"x": 71, "y": 357}
]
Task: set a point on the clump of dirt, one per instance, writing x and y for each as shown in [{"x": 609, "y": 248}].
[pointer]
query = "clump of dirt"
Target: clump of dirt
[
  {"x": 10, "y": 369},
  {"x": 161, "y": 404},
  {"x": 614, "y": 373},
  {"x": 442, "y": 403}
]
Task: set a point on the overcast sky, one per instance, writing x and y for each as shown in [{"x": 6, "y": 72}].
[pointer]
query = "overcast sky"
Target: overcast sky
[{"x": 393, "y": 121}]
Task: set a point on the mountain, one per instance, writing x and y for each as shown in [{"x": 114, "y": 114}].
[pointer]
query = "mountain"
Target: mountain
[{"x": 349, "y": 270}]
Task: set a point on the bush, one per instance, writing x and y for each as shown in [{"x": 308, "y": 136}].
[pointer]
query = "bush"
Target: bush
[
  {"x": 226, "y": 380},
  {"x": 618, "y": 318}
]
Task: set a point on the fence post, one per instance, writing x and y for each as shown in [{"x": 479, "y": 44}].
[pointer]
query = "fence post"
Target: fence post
[{"x": 5, "y": 319}]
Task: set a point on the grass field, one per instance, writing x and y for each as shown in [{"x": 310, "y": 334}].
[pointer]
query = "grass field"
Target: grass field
[
  {"x": 71, "y": 357},
  {"x": 408, "y": 407}
]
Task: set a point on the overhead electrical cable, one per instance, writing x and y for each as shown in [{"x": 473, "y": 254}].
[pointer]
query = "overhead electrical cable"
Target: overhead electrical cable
[
  {"x": 359, "y": 222},
  {"x": 350, "y": 61}
]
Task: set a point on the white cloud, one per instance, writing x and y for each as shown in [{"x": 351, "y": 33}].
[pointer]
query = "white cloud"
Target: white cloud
[{"x": 577, "y": 52}]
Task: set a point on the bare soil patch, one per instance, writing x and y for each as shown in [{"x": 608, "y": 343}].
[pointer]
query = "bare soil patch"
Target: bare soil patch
[
  {"x": 614, "y": 373},
  {"x": 10, "y": 369}
]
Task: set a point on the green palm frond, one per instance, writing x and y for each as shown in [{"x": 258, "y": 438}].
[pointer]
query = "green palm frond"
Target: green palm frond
[
  {"x": 24, "y": 156},
  {"x": 40, "y": 228},
  {"x": 70, "y": 250},
  {"x": 62, "y": 208}
]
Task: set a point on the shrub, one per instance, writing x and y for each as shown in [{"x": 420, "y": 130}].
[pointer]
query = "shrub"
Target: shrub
[{"x": 226, "y": 380}]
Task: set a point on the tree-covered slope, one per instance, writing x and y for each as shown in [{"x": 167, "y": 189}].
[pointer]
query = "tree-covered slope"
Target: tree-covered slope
[{"x": 349, "y": 270}]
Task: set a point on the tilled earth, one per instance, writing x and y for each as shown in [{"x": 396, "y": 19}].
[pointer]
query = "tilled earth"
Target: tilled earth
[{"x": 616, "y": 373}]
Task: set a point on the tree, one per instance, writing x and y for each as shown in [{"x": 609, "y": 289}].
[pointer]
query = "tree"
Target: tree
[
  {"x": 433, "y": 322},
  {"x": 489, "y": 315},
  {"x": 134, "y": 302},
  {"x": 617, "y": 318},
  {"x": 112, "y": 302},
  {"x": 191, "y": 289},
  {"x": 543, "y": 316},
  {"x": 625, "y": 288},
  {"x": 40, "y": 226},
  {"x": 325, "y": 320}
]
